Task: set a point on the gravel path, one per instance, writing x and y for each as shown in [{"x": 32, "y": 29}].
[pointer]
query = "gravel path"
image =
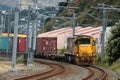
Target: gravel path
[{"x": 22, "y": 70}]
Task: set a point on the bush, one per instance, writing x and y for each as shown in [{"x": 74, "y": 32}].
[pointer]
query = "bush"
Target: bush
[
  {"x": 20, "y": 59},
  {"x": 113, "y": 44},
  {"x": 61, "y": 51}
]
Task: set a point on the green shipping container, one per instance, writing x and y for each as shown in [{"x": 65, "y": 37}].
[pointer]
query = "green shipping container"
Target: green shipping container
[{"x": 5, "y": 43}]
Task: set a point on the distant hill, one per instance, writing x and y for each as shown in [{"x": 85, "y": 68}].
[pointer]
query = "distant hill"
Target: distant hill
[
  {"x": 88, "y": 19},
  {"x": 4, "y": 7},
  {"x": 85, "y": 6},
  {"x": 93, "y": 17},
  {"x": 8, "y": 2}
]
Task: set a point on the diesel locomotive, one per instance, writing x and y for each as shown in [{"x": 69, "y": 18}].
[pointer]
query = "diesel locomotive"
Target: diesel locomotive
[
  {"x": 81, "y": 50},
  {"x": 84, "y": 49}
]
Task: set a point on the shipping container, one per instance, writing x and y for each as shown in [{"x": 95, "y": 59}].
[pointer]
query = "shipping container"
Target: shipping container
[
  {"x": 46, "y": 45},
  {"x": 21, "y": 44},
  {"x": 6, "y": 43}
]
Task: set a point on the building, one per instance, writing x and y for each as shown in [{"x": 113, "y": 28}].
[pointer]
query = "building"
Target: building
[{"x": 63, "y": 33}]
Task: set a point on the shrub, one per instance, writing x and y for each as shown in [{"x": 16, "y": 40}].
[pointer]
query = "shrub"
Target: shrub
[
  {"x": 20, "y": 59},
  {"x": 113, "y": 44}
]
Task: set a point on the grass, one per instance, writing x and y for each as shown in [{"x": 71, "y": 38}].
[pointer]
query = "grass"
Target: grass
[
  {"x": 20, "y": 59},
  {"x": 114, "y": 67}
]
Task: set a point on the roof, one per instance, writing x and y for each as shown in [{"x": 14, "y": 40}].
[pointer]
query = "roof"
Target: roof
[
  {"x": 91, "y": 31},
  {"x": 11, "y": 34}
]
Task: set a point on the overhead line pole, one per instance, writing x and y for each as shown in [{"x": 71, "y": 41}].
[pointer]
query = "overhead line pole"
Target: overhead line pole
[
  {"x": 34, "y": 32},
  {"x": 103, "y": 29},
  {"x": 15, "y": 39},
  {"x": 14, "y": 51},
  {"x": 8, "y": 31},
  {"x": 74, "y": 21},
  {"x": 1, "y": 27},
  {"x": 103, "y": 32},
  {"x": 104, "y": 25},
  {"x": 28, "y": 35}
]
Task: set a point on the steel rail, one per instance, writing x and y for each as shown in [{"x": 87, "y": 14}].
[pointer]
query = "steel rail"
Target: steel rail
[
  {"x": 47, "y": 74},
  {"x": 103, "y": 76},
  {"x": 91, "y": 73}
]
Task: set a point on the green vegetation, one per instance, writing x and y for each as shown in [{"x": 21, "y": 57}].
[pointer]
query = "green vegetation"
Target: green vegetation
[
  {"x": 113, "y": 44},
  {"x": 20, "y": 59},
  {"x": 104, "y": 61},
  {"x": 84, "y": 6},
  {"x": 61, "y": 51},
  {"x": 111, "y": 58},
  {"x": 116, "y": 66}
]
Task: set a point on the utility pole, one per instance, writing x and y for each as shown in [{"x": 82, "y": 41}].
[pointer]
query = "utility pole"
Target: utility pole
[
  {"x": 74, "y": 22},
  {"x": 28, "y": 35},
  {"x": 15, "y": 39},
  {"x": 2, "y": 21},
  {"x": 1, "y": 27},
  {"x": 104, "y": 9},
  {"x": 103, "y": 32},
  {"x": 8, "y": 31},
  {"x": 103, "y": 29},
  {"x": 34, "y": 32}
]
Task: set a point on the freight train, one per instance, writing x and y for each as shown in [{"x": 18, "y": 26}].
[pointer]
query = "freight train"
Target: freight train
[{"x": 81, "y": 50}]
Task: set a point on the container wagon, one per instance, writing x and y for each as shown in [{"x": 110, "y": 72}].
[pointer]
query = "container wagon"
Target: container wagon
[
  {"x": 6, "y": 43},
  {"x": 46, "y": 45},
  {"x": 21, "y": 44}
]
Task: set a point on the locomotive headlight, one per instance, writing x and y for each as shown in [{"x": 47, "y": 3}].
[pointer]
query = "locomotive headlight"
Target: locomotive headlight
[{"x": 77, "y": 54}]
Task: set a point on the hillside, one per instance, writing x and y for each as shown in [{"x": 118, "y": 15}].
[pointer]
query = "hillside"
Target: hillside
[
  {"x": 84, "y": 6},
  {"x": 8, "y": 2}
]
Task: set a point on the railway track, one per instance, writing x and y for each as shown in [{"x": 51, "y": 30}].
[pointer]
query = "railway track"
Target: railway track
[
  {"x": 55, "y": 70},
  {"x": 95, "y": 73}
]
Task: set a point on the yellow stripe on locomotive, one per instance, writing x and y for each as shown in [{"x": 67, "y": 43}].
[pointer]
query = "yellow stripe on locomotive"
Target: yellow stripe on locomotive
[{"x": 84, "y": 49}]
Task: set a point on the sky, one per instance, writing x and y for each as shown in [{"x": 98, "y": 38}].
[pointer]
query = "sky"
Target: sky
[
  {"x": 13, "y": 3},
  {"x": 41, "y": 3}
]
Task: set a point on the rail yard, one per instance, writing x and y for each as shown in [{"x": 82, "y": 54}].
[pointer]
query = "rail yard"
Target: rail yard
[
  {"x": 51, "y": 70},
  {"x": 60, "y": 40}
]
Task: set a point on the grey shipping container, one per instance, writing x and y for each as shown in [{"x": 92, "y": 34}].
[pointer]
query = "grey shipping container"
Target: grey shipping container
[{"x": 46, "y": 45}]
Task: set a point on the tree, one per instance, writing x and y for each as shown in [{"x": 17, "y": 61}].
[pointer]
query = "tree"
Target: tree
[{"x": 113, "y": 44}]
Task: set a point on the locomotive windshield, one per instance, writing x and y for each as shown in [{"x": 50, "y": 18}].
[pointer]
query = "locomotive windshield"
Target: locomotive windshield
[{"x": 84, "y": 41}]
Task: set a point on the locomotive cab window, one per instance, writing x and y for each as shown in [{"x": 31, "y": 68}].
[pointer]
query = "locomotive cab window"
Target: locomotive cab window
[{"x": 84, "y": 41}]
